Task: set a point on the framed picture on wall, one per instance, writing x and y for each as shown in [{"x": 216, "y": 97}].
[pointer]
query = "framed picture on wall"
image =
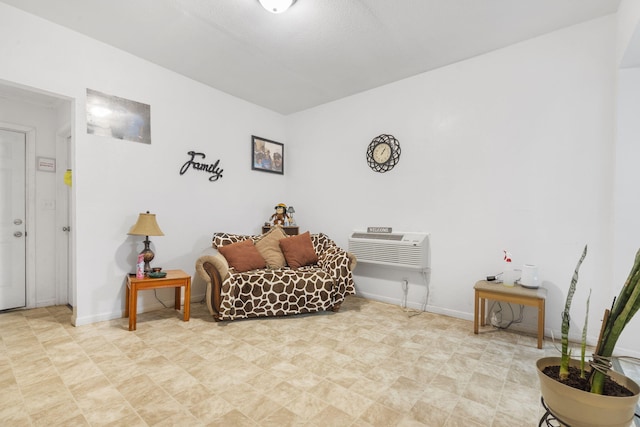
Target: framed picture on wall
[
  {"x": 267, "y": 155},
  {"x": 118, "y": 118}
]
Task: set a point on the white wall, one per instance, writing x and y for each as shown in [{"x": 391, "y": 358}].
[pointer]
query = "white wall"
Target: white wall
[
  {"x": 510, "y": 150},
  {"x": 628, "y": 32},
  {"x": 115, "y": 180},
  {"x": 627, "y": 204}
]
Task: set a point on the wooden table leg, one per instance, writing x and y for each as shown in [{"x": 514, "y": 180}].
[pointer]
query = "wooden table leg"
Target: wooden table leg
[
  {"x": 178, "y": 294},
  {"x": 133, "y": 307},
  {"x": 540, "y": 322},
  {"x": 475, "y": 312},
  {"x": 187, "y": 300},
  {"x": 126, "y": 303}
]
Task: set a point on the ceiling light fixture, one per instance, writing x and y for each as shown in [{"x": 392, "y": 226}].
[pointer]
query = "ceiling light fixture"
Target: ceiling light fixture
[{"x": 277, "y": 6}]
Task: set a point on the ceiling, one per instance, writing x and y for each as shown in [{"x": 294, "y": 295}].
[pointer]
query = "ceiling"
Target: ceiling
[{"x": 319, "y": 50}]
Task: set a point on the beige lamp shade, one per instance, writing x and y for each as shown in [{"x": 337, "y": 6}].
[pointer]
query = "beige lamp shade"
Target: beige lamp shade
[{"x": 146, "y": 226}]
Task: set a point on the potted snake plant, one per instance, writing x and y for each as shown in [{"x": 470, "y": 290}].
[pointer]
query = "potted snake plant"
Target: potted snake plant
[{"x": 591, "y": 404}]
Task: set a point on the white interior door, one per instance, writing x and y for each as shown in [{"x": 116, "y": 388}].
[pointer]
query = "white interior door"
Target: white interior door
[{"x": 12, "y": 220}]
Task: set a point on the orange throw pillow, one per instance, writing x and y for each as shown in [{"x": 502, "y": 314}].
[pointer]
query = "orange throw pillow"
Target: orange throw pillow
[
  {"x": 242, "y": 256},
  {"x": 298, "y": 250}
]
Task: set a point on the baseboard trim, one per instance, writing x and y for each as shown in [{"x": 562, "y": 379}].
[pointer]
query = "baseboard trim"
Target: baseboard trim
[
  {"x": 417, "y": 306},
  {"x": 152, "y": 306}
]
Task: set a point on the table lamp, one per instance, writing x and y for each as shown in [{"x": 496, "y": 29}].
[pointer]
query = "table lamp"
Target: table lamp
[
  {"x": 291, "y": 211},
  {"x": 146, "y": 226}
]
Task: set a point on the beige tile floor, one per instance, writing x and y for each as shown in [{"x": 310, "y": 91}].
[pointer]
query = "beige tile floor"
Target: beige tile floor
[{"x": 371, "y": 364}]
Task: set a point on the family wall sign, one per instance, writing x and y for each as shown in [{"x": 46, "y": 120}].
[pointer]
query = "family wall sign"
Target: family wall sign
[{"x": 212, "y": 168}]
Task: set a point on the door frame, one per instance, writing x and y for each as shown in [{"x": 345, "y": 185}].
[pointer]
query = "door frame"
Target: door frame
[
  {"x": 30, "y": 217},
  {"x": 64, "y": 288}
]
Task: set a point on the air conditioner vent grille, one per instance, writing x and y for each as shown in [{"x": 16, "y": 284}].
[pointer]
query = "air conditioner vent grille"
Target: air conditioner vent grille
[{"x": 410, "y": 251}]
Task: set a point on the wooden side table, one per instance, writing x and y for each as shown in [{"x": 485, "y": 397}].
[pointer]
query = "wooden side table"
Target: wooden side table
[
  {"x": 291, "y": 230},
  {"x": 514, "y": 294},
  {"x": 174, "y": 279}
]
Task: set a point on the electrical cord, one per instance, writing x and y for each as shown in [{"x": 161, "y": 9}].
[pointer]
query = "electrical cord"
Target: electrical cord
[
  {"x": 520, "y": 316},
  {"x": 498, "y": 312},
  {"x": 405, "y": 289},
  {"x": 634, "y": 360},
  {"x": 155, "y": 293},
  {"x": 425, "y": 277}
]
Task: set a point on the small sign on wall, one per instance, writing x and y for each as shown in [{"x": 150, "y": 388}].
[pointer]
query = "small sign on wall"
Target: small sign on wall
[
  {"x": 213, "y": 169},
  {"x": 379, "y": 229},
  {"x": 46, "y": 164}
]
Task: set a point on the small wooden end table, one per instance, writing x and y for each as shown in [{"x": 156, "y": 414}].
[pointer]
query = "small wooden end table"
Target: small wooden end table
[
  {"x": 514, "y": 294},
  {"x": 291, "y": 230},
  {"x": 174, "y": 279}
]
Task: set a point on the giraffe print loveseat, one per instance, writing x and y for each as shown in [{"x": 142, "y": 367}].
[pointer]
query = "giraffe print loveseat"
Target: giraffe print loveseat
[{"x": 277, "y": 289}]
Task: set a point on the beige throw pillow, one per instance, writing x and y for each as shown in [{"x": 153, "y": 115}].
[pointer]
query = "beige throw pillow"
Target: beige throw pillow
[{"x": 269, "y": 247}]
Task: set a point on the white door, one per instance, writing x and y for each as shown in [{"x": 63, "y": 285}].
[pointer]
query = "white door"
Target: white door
[{"x": 12, "y": 220}]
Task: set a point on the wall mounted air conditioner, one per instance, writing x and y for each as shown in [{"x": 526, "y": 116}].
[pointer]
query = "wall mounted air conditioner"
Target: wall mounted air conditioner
[{"x": 399, "y": 249}]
